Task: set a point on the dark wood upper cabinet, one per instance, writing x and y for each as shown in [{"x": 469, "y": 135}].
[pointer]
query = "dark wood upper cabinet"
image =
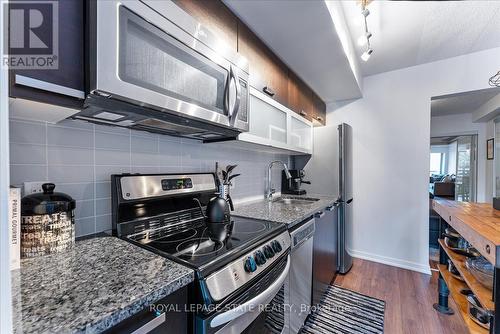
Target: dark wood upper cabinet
[
  {"x": 65, "y": 85},
  {"x": 268, "y": 73},
  {"x": 214, "y": 15},
  {"x": 319, "y": 109},
  {"x": 299, "y": 96}
]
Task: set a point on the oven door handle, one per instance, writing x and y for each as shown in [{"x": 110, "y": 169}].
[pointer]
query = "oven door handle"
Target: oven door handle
[{"x": 253, "y": 303}]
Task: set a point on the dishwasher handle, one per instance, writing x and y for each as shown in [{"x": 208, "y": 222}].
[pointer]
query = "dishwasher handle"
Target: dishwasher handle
[
  {"x": 302, "y": 233},
  {"x": 319, "y": 214}
]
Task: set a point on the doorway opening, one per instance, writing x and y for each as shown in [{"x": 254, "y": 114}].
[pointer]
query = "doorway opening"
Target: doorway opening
[{"x": 452, "y": 175}]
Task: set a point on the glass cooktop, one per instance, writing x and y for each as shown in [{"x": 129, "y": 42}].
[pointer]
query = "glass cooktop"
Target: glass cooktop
[{"x": 208, "y": 248}]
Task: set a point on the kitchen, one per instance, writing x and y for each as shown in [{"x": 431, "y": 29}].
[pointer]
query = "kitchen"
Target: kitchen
[{"x": 187, "y": 167}]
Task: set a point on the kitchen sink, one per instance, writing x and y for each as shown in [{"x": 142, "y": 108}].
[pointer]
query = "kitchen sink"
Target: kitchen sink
[{"x": 295, "y": 200}]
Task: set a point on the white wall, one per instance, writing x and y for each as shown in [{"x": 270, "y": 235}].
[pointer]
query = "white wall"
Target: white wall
[
  {"x": 391, "y": 139},
  {"x": 462, "y": 124}
]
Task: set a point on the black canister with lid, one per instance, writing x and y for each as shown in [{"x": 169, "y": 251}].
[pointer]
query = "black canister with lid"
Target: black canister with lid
[{"x": 48, "y": 224}]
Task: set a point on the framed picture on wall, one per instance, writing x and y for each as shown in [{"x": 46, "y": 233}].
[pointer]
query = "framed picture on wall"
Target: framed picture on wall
[{"x": 490, "y": 149}]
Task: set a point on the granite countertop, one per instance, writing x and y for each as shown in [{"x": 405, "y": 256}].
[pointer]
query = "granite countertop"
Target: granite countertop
[
  {"x": 91, "y": 288},
  {"x": 280, "y": 212}
]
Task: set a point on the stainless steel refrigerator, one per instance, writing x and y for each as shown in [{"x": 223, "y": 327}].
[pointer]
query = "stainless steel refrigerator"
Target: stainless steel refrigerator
[
  {"x": 345, "y": 196},
  {"x": 330, "y": 171}
]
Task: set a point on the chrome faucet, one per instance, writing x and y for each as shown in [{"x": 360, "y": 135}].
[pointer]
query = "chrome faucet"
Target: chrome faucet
[{"x": 270, "y": 190}]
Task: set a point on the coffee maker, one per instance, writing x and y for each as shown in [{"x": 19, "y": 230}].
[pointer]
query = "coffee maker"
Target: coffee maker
[{"x": 293, "y": 185}]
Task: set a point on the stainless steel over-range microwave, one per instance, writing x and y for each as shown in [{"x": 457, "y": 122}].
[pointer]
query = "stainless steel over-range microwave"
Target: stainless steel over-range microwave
[{"x": 153, "y": 67}]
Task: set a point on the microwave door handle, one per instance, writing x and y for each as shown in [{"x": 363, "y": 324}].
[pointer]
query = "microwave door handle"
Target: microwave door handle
[
  {"x": 237, "y": 85},
  {"x": 231, "y": 112},
  {"x": 227, "y": 92},
  {"x": 253, "y": 303}
]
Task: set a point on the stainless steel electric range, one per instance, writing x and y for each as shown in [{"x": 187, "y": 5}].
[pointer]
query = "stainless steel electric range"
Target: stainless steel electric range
[{"x": 239, "y": 282}]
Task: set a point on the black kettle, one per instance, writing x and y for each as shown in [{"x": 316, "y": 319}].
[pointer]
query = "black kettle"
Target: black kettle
[
  {"x": 217, "y": 210},
  {"x": 217, "y": 218}
]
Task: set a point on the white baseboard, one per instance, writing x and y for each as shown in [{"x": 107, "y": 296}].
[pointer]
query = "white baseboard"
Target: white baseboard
[{"x": 418, "y": 267}]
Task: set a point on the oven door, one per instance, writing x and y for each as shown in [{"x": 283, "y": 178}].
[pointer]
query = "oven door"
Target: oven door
[
  {"x": 144, "y": 58},
  {"x": 264, "y": 312}
]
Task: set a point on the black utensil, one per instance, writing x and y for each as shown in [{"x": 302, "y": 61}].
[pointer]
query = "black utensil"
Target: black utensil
[
  {"x": 224, "y": 176},
  {"x": 230, "y": 201},
  {"x": 217, "y": 178}
]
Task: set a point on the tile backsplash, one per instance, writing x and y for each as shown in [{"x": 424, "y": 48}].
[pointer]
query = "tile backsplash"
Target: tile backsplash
[{"x": 79, "y": 158}]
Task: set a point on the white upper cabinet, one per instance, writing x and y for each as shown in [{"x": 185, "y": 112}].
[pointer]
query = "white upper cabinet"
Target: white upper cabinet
[
  {"x": 268, "y": 122},
  {"x": 275, "y": 126},
  {"x": 301, "y": 133}
]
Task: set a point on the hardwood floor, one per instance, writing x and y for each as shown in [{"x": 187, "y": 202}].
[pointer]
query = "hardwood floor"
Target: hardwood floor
[{"x": 409, "y": 297}]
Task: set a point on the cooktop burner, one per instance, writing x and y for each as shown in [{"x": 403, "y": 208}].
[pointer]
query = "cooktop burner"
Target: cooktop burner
[
  {"x": 198, "y": 247},
  {"x": 256, "y": 227},
  {"x": 195, "y": 246},
  {"x": 178, "y": 237}
]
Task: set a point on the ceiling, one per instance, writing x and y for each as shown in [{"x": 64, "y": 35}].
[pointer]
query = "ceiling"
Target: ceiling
[
  {"x": 310, "y": 37},
  {"x": 408, "y": 33},
  {"x": 303, "y": 35},
  {"x": 461, "y": 103}
]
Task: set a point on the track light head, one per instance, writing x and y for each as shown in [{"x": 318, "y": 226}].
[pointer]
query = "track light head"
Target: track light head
[
  {"x": 366, "y": 55},
  {"x": 364, "y": 39}
]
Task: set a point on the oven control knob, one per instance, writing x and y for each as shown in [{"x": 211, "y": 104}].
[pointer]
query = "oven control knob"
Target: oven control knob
[
  {"x": 276, "y": 246},
  {"x": 268, "y": 252},
  {"x": 260, "y": 258},
  {"x": 250, "y": 265}
]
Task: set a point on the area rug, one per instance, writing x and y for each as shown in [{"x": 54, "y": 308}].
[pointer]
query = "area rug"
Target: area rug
[{"x": 346, "y": 311}]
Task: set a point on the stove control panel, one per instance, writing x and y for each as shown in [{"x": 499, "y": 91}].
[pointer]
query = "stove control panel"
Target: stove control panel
[
  {"x": 135, "y": 187},
  {"x": 237, "y": 273}
]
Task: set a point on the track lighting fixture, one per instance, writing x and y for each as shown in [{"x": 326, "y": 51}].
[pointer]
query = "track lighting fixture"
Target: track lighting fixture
[{"x": 365, "y": 39}]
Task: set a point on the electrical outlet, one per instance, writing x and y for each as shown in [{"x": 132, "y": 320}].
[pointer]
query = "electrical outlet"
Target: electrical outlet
[{"x": 33, "y": 187}]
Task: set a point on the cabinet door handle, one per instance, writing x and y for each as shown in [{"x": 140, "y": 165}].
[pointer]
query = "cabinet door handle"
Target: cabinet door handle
[
  {"x": 47, "y": 86},
  {"x": 268, "y": 90}
]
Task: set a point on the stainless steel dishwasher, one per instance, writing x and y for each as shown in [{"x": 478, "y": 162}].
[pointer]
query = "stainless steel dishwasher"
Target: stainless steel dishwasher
[
  {"x": 325, "y": 250},
  {"x": 301, "y": 273}
]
